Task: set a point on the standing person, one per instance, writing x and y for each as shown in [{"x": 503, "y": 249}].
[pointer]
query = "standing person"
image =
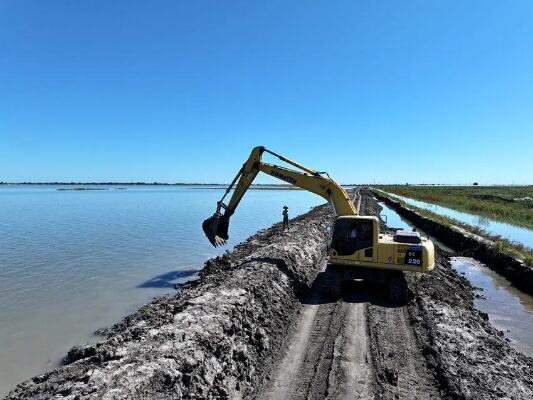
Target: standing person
[{"x": 285, "y": 214}]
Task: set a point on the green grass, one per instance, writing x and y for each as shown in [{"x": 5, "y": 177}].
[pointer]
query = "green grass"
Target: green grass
[
  {"x": 502, "y": 203},
  {"x": 517, "y": 250}
]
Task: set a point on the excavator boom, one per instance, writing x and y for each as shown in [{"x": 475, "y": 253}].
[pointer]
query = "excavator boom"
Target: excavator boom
[
  {"x": 356, "y": 240},
  {"x": 216, "y": 227}
]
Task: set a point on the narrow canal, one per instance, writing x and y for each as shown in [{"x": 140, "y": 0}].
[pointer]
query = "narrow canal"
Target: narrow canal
[
  {"x": 507, "y": 231},
  {"x": 509, "y": 309}
]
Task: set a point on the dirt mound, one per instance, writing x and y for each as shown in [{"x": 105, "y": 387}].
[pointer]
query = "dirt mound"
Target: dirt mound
[
  {"x": 209, "y": 341},
  {"x": 470, "y": 358},
  {"x": 467, "y": 356},
  {"x": 253, "y": 326}
]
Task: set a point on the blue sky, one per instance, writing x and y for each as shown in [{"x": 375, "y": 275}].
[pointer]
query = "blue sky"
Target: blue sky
[{"x": 181, "y": 91}]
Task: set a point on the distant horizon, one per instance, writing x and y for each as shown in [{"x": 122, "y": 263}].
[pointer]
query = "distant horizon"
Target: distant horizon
[{"x": 140, "y": 183}]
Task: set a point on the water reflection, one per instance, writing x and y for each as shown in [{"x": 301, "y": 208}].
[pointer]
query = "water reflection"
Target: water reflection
[
  {"x": 169, "y": 279},
  {"x": 507, "y": 231},
  {"x": 482, "y": 221},
  {"x": 78, "y": 260},
  {"x": 509, "y": 309}
]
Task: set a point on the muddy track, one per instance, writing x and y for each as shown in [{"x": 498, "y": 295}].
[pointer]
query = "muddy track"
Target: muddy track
[
  {"x": 357, "y": 346},
  {"x": 257, "y": 324},
  {"x": 360, "y": 346},
  {"x": 326, "y": 355}
]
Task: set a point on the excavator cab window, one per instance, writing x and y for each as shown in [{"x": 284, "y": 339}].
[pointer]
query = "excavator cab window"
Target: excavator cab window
[{"x": 351, "y": 234}]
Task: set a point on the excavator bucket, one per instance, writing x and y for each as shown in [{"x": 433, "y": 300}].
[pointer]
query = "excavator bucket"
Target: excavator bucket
[{"x": 216, "y": 229}]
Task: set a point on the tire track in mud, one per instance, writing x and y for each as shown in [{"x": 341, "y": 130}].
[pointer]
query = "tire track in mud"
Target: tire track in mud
[
  {"x": 400, "y": 366},
  {"x": 356, "y": 346},
  {"x": 351, "y": 376},
  {"x": 328, "y": 354}
]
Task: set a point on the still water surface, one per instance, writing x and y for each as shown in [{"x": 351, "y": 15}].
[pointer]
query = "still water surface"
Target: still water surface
[
  {"x": 507, "y": 231},
  {"x": 75, "y": 261},
  {"x": 509, "y": 309}
]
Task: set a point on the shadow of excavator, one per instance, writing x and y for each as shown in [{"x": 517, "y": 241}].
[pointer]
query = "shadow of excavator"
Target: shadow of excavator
[{"x": 168, "y": 280}]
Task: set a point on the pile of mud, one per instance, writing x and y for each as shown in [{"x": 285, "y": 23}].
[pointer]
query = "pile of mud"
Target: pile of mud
[
  {"x": 212, "y": 339},
  {"x": 470, "y": 358},
  {"x": 467, "y": 357},
  {"x": 254, "y": 326}
]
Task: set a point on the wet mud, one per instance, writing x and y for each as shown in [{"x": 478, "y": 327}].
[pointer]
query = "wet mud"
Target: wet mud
[{"x": 259, "y": 324}]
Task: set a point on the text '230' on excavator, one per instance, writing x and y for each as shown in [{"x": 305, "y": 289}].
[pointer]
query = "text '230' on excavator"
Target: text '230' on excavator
[{"x": 355, "y": 240}]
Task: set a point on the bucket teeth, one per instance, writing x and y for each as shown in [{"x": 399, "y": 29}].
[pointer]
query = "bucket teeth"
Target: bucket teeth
[
  {"x": 219, "y": 241},
  {"x": 216, "y": 229}
]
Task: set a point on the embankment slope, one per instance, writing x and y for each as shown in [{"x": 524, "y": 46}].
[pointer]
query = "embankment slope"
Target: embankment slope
[
  {"x": 254, "y": 326},
  {"x": 211, "y": 340}
]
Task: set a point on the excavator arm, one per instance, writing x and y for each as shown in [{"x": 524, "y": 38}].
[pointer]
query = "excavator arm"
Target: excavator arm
[{"x": 216, "y": 227}]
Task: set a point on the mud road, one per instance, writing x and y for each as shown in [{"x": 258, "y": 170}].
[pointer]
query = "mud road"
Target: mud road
[
  {"x": 354, "y": 346},
  {"x": 361, "y": 346},
  {"x": 259, "y": 324}
]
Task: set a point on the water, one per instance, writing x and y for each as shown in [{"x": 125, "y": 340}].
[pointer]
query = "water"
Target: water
[
  {"x": 509, "y": 309},
  {"x": 394, "y": 220},
  {"x": 75, "y": 261},
  {"x": 507, "y": 231}
]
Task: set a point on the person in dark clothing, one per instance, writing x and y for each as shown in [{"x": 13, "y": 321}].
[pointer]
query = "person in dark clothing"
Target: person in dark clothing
[{"x": 285, "y": 214}]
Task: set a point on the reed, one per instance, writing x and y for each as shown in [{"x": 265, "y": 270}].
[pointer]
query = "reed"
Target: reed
[
  {"x": 511, "y": 204},
  {"x": 517, "y": 250}
]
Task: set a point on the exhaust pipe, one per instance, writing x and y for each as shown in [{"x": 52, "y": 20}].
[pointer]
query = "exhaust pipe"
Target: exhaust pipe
[{"x": 216, "y": 229}]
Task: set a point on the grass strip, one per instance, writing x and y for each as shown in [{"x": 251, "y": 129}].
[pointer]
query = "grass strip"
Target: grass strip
[
  {"x": 517, "y": 250},
  {"x": 510, "y": 204}
]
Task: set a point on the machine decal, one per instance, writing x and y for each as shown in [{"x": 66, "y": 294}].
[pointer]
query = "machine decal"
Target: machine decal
[
  {"x": 283, "y": 177},
  {"x": 413, "y": 256}
]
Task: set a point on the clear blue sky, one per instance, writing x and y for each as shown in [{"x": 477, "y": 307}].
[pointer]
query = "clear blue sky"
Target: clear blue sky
[{"x": 181, "y": 91}]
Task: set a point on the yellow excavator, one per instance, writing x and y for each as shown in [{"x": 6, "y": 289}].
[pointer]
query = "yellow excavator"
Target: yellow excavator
[{"x": 355, "y": 240}]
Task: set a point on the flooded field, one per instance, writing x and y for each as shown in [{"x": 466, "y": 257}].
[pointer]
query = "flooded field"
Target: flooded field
[
  {"x": 507, "y": 231},
  {"x": 394, "y": 220},
  {"x": 75, "y": 261}
]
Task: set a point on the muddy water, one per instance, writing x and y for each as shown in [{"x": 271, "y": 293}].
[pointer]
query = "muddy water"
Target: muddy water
[
  {"x": 507, "y": 231},
  {"x": 509, "y": 309},
  {"x": 75, "y": 261}
]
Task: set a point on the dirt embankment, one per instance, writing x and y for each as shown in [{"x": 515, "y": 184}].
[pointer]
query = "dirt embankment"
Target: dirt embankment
[
  {"x": 211, "y": 340},
  {"x": 360, "y": 346},
  {"x": 516, "y": 271},
  {"x": 467, "y": 356},
  {"x": 257, "y": 324}
]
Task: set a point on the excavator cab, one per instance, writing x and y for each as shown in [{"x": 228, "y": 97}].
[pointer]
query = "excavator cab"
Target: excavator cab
[
  {"x": 351, "y": 234},
  {"x": 356, "y": 241}
]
